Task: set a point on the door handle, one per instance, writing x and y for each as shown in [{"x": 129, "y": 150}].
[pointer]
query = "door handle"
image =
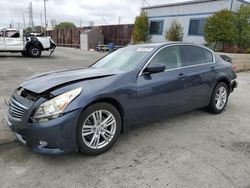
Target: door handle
[
  {"x": 181, "y": 76},
  {"x": 212, "y": 69}
]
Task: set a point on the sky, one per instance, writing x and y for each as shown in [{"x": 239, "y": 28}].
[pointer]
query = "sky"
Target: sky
[{"x": 80, "y": 12}]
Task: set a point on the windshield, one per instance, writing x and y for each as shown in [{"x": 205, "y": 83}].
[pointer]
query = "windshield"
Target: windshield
[{"x": 124, "y": 59}]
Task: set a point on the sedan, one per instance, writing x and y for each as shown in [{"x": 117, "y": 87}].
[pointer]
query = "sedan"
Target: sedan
[{"x": 86, "y": 109}]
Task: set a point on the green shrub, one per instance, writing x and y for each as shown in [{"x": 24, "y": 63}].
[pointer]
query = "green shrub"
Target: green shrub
[
  {"x": 65, "y": 25},
  {"x": 221, "y": 28},
  {"x": 175, "y": 32},
  {"x": 141, "y": 28}
]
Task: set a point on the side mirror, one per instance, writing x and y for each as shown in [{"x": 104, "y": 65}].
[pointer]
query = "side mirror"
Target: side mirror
[{"x": 155, "y": 68}]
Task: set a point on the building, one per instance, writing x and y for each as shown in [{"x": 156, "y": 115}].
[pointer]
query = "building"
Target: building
[
  {"x": 89, "y": 39},
  {"x": 191, "y": 15}
]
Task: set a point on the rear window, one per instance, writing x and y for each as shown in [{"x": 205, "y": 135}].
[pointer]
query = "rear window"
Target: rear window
[
  {"x": 194, "y": 55},
  {"x": 208, "y": 56}
]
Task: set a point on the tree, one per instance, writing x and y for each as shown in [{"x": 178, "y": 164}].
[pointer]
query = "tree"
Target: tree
[
  {"x": 65, "y": 25},
  {"x": 243, "y": 26},
  {"x": 29, "y": 30},
  {"x": 175, "y": 32},
  {"x": 221, "y": 28},
  {"x": 38, "y": 29},
  {"x": 141, "y": 28}
]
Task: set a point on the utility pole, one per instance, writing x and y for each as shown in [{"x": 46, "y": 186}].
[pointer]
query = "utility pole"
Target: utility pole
[
  {"x": 31, "y": 23},
  {"x": 41, "y": 19},
  {"x": 119, "y": 20},
  {"x": 45, "y": 17},
  {"x": 24, "y": 24},
  {"x": 80, "y": 23}
]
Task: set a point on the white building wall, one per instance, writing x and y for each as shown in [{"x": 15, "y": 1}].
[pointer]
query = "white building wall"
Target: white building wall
[{"x": 183, "y": 14}]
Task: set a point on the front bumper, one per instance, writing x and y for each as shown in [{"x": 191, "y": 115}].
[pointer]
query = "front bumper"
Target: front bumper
[{"x": 58, "y": 134}]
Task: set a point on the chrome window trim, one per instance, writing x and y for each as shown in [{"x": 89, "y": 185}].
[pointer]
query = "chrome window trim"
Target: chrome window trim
[{"x": 207, "y": 63}]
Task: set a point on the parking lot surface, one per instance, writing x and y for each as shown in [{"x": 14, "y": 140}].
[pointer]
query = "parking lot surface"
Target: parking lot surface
[{"x": 195, "y": 149}]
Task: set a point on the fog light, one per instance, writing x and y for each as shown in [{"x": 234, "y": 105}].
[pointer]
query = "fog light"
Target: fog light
[{"x": 43, "y": 143}]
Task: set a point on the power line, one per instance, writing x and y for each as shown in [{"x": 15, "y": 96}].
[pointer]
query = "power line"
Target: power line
[
  {"x": 105, "y": 21},
  {"x": 142, "y": 3}
]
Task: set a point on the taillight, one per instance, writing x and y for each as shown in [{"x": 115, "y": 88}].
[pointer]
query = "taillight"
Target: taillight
[{"x": 234, "y": 67}]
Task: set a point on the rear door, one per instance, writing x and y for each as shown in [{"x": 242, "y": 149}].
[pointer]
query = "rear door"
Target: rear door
[
  {"x": 162, "y": 93},
  {"x": 13, "y": 40},
  {"x": 200, "y": 75}
]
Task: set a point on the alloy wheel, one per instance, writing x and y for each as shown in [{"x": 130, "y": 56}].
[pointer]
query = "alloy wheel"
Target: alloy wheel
[
  {"x": 221, "y": 98},
  {"x": 99, "y": 129}
]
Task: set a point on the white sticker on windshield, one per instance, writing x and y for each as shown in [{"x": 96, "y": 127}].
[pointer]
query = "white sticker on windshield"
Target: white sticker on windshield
[{"x": 144, "y": 49}]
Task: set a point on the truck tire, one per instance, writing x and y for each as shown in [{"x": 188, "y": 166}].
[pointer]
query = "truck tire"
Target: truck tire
[
  {"x": 34, "y": 51},
  {"x": 25, "y": 54}
]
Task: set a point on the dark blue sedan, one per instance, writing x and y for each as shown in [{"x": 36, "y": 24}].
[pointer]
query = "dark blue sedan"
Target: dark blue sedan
[{"x": 86, "y": 109}]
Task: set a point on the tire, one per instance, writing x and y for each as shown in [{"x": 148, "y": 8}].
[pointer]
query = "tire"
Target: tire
[
  {"x": 87, "y": 129},
  {"x": 25, "y": 54},
  {"x": 219, "y": 100},
  {"x": 34, "y": 51}
]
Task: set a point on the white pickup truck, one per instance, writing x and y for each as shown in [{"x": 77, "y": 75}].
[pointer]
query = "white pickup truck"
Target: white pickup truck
[{"x": 14, "y": 40}]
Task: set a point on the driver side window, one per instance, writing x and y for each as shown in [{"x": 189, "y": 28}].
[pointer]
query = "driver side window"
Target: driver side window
[{"x": 169, "y": 56}]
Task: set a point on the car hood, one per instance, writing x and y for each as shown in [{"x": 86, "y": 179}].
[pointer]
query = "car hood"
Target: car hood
[{"x": 43, "y": 82}]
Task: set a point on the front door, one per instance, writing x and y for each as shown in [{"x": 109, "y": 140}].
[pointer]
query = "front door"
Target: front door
[
  {"x": 13, "y": 40},
  {"x": 162, "y": 93}
]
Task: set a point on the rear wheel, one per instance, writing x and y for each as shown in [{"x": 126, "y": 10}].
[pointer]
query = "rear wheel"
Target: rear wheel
[
  {"x": 219, "y": 98},
  {"x": 34, "y": 51},
  {"x": 98, "y": 128}
]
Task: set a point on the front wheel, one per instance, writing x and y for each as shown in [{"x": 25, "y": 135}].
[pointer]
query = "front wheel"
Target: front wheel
[
  {"x": 98, "y": 128},
  {"x": 34, "y": 51},
  {"x": 219, "y": 98}
]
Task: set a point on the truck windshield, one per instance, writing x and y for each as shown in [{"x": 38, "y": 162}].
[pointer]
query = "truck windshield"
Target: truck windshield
[{"x": 124, "y": 59}]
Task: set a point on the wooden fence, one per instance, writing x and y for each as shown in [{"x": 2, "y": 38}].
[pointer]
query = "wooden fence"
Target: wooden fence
[{"x": 118, "y": 34}]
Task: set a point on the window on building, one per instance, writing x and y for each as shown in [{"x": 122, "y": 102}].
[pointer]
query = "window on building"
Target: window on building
[
  {"x": 196, "y": 26},
  {"x": 193, "y": 55},
  {"x": 156, "y": 27},
  {"x": 169, "y": 56}
]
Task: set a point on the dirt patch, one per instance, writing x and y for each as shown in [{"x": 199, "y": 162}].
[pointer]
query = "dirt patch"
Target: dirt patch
[{"x": 242, "y": 147}]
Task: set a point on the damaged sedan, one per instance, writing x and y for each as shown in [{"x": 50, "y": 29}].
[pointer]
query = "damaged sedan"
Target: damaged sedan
[{"x": 86, "y": 109}]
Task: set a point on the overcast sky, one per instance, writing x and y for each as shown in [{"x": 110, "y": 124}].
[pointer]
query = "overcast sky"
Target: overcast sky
[{"x": 77, "y": 11}]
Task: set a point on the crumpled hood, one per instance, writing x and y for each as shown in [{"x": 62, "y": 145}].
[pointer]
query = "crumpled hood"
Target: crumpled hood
[{"x": 42, "y": 82}]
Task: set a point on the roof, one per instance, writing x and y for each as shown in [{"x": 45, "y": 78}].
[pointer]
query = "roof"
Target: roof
[
  {"x": 189, "y": 3},
  {"x": 9, "y": 29},
  {"x": 179, "y": 3}
]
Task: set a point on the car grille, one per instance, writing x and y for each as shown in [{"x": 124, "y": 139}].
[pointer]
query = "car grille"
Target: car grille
[{"x": 16, "y": 109}]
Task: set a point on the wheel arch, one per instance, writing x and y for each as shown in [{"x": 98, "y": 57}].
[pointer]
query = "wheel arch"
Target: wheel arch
[
  {"x": 34, "y": 43},
  {"x": 225, "y": 80}
]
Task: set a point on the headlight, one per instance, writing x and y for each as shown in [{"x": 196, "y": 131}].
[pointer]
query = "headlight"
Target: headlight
[{"x": 53, "y": 108}]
